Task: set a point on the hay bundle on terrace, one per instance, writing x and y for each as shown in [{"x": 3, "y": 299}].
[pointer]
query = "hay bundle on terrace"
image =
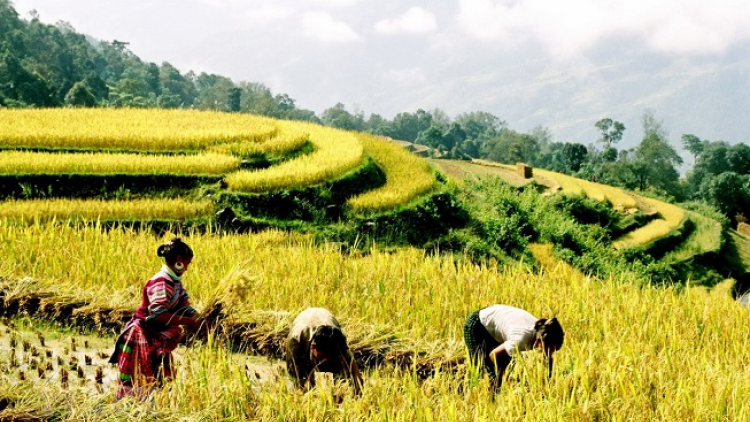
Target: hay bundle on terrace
[
  {"x": 17, "y": 287},
  {"x": 58, "y": 308},
  {"x": 30, "y": 303},
  {"x": 261, "y": 332},
  {"x": 370, "y": 346},
  {"x": 8, "y": 305},
  {"x": 92, "y": 316},
  {"x": 524, "y": 170},
  {"x": 12, "y": 415},
  {"x": 11, "y": 410},
  {"x": 251, "y": 338},
  {"x": 11, "y": 292}
]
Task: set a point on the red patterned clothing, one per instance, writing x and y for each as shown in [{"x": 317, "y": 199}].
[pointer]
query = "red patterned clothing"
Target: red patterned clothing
[
  {"x": 164, "y": 292},
  {"x": 143, "y": 350}
]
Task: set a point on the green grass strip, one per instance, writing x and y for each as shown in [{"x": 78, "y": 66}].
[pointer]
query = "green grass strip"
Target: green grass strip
[{"x": 705, "y": 238}]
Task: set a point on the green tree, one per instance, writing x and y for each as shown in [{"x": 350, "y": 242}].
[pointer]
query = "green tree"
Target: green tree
[
  {"x": 97, "y": 87},
  {"x": 693, "y": 144},
  {"x": 235, "y": 99},
  {"x": 574, "y": 155},
  {"x": 611, "y": 131},
  {"x": 132, "y": 91},
  {"x": 609, "y": 154},
  {"x": 20, "y": 87},
  {"x": 9, "y": 20},
  {"x": 655, "y": 162},
  {"x": 303, "y": 115},
  {"x": 285, "y": 106},
  {"x": 730, "y": 192},
  {"x": 480, "y": 125},
  {"x": 453, "y": 138},
  {"x": 177, "y": 90},
  {"x": 213, "y": 92},
  {"x": 511, "y": 147},
  {"x": 738, "y": 158},
  {"x": 80, "y": 96},
  {"x": 116, "y": 59},
  {"x": 338, "y": 117},
  {"x": 257, "y": 99},
  {"x": 374, "y": 123},
  {"x": 719, "y": 165},
  {"x": 407, "y": 126},
  {"x": 432, "y": 137}
]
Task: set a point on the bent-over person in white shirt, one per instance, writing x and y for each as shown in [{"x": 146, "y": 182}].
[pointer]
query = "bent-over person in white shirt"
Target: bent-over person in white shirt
[{"x": 494, "y": 334}]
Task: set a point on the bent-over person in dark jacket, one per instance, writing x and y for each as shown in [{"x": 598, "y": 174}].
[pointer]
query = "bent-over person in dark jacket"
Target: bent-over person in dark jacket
[{"x": 317, "y": 344}]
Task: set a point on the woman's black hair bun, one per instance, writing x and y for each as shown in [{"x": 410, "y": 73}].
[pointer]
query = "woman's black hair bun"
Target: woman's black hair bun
[
  {"x": 173, "y": 248},
  {"x": 161, "y": 250}
]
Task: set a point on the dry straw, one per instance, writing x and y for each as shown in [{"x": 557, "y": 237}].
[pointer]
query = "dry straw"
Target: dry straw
[{"x": 231, "y": 293}]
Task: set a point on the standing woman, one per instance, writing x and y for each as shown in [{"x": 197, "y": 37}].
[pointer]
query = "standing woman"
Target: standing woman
[
  {"x": 143, "y": 351},
  {"x": 496, "y": 333}
]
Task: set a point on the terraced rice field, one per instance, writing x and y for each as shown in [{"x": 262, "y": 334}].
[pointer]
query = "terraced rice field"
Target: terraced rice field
[
  {"x": 125, "y": 153},
  {"x": 671, "y": 218},
  {"x": 407, "y": 177},
  {"x": 387, "y": 301},
  {"x": 39, "y": 210},
  {"x": 128, "y": 129},
  {"x": 631, "y": 352},
  {"x": 473, "y": 170},
  {"x": 619, "y": 199}
]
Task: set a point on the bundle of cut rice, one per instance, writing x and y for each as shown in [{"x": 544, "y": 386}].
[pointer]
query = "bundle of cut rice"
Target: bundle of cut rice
[{"x": 229, "y": 294}]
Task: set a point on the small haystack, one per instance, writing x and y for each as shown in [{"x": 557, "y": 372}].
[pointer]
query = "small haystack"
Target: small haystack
[
  {"x": 743, "y": 228},
  {"x": 524, "y": 170}
]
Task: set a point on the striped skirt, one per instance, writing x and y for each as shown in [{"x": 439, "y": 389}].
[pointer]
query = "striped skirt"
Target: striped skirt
[{"x": 144, "y": 360}]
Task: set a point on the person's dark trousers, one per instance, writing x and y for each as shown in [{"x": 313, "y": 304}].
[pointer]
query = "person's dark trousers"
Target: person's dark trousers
[{"x": 480, "y": 343}]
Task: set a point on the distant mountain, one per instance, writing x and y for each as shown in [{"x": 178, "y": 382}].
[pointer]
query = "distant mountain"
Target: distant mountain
[{"x": 706, "y": 96}]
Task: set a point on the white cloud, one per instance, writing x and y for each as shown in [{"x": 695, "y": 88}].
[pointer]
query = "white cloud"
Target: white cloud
[
  {"x": 415, "y": 20},
  {"x": 335, "y": 3},
  {"x": 223, "y": 3},
  {"x": 568, "y": 27},
  {"x": 269, "y": 14},
  {"x": 323, "y": 27},
  {"x": 406, "y": 77}
]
